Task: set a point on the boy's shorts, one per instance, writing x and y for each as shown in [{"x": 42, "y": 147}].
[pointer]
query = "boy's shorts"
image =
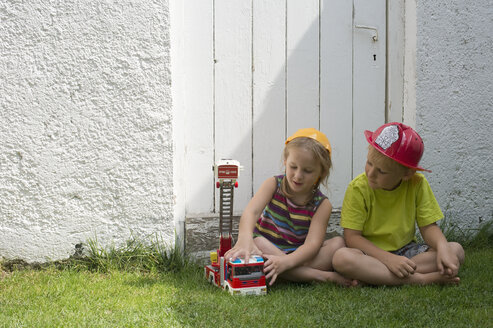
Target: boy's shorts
[{"x": 411, "y": 250}]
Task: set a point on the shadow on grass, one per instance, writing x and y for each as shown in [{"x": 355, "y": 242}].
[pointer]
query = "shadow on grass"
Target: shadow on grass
[
  {"x": 184, "y": 295},
  {"x": 198, "y": 303}
]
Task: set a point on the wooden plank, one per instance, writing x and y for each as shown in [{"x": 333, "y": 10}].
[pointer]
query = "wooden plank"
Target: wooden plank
[
  {"x": 269, "y": 88},
  {"x": 395, "y": 66},
  {"x": 409, "y": 81},
  {"x": 302, "y": 64},
  {"x": 336, "y": 92},
  {"x": 232, "y": 89},
  {"x": 368, "y": 75},
  {"x": 198, "y": 103}
]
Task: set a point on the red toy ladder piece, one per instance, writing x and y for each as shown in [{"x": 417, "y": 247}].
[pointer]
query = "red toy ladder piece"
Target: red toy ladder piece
[{"x": 224, "y": 245}]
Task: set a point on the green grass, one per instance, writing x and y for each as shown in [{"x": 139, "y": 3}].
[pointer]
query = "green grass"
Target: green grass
[
  {"x": 146, "y": 286},
  {"x": 70, "y": 298}
]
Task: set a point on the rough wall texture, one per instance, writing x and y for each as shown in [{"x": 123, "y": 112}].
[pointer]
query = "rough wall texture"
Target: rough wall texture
[
  {"x": 454, "y": 105},
  {"x": 85, "y": 133}
]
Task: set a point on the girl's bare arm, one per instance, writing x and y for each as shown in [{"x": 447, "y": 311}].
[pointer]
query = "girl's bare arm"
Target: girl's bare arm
[{"x": 245, "y": 246}]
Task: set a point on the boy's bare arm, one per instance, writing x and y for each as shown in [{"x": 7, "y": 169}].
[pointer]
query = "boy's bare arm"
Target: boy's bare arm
[
  {"x": 398, "y": 265},
  {"x": 447, "y": 261},
  {"x": 433, "y": 236}
]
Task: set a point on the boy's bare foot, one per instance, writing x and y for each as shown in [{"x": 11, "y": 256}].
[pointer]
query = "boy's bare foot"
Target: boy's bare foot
[{"x": 434, "y": 278}]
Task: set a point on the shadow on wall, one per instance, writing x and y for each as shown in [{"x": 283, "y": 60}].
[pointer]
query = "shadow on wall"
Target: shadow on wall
[{"x": 284, "y": 94}]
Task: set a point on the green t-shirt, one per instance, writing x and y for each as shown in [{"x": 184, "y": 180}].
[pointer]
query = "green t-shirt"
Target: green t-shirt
[{"x": 388, "y": 218}]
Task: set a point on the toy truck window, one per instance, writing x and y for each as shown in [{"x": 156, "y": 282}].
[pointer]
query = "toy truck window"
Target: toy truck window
[{"x": 250, "y": 271}]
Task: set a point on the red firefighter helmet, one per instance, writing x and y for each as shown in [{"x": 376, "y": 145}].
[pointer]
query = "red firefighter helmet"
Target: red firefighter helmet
[{"x": 398, "y": 142}]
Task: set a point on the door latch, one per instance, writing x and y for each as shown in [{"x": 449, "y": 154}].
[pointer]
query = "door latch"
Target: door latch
[{"x": 375, "y": 36}]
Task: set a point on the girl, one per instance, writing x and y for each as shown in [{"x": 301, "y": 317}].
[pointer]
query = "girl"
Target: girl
[{"x": 286, "y": 220}]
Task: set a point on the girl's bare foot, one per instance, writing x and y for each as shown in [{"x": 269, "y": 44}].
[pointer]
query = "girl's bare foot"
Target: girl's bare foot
[{"x": 340, "y": 280}]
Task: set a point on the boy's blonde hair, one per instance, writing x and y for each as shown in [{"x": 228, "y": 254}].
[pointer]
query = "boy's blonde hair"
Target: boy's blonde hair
[
  {"x": 319, "y": 152},
  {"x": 380, "y": 159}
]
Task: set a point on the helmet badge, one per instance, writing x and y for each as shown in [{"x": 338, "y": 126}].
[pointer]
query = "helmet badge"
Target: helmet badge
[{"x": 388, "y": 136}]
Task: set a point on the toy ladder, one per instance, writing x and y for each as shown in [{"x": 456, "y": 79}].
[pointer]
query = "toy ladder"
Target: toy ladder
[{"x": 225, "y": 216}]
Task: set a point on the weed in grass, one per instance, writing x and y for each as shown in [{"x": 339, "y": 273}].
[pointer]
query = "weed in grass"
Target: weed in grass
[
  {"x": 470, "y": 238},
  {"x": 478, "y": 238},
  {"x": 135, "y": 255}
]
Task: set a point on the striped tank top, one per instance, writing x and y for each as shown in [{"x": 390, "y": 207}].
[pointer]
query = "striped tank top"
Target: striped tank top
[{"x": 284, "y": 223}]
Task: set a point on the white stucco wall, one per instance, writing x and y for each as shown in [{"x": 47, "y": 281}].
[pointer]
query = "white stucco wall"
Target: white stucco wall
[
  {"x": 454, "y": 105},
  {"x": 85, "y": 125},
  {"x": 86, "y": 119}
]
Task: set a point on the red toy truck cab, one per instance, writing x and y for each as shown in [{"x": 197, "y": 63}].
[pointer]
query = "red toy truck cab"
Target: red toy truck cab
[
  {"x": 246, "y": 279},
  {"x": 237, "y": 277}
]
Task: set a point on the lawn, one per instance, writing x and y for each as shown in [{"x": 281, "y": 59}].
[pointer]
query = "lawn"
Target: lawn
[{"x": 69, "y": 297}]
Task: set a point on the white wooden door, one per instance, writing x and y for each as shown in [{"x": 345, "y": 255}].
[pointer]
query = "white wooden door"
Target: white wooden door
[{"x": 255, "y": 71}]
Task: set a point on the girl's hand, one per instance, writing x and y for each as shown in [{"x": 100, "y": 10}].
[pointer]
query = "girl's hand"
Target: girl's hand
[
  {"x": 447, "y": 262},
  {"x": 273, "y": 267},
  {"x": 401, "y": 266},
  {"x": 243, "y": 249}
]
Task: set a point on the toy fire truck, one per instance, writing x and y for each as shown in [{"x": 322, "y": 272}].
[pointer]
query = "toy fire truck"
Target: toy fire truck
[{"x": 236, "y": 276}]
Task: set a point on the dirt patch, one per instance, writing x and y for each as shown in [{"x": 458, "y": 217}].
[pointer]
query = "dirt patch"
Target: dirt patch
[
  {"x": 7, "y": 266},
  {"x": 18, "y": 264}
]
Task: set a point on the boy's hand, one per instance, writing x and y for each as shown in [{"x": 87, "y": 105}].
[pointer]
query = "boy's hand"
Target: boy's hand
[
  {"x": 447, "y": 261},
  {"x": 273, "y": 267},
  {"x": 401, "y": 266}
]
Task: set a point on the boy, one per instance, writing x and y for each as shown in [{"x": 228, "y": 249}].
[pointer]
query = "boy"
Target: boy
[{"x": 380, "y": 210}]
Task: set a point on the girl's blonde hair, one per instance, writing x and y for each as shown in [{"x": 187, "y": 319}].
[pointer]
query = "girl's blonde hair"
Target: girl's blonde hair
[{"x": 320, "y": 153}]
